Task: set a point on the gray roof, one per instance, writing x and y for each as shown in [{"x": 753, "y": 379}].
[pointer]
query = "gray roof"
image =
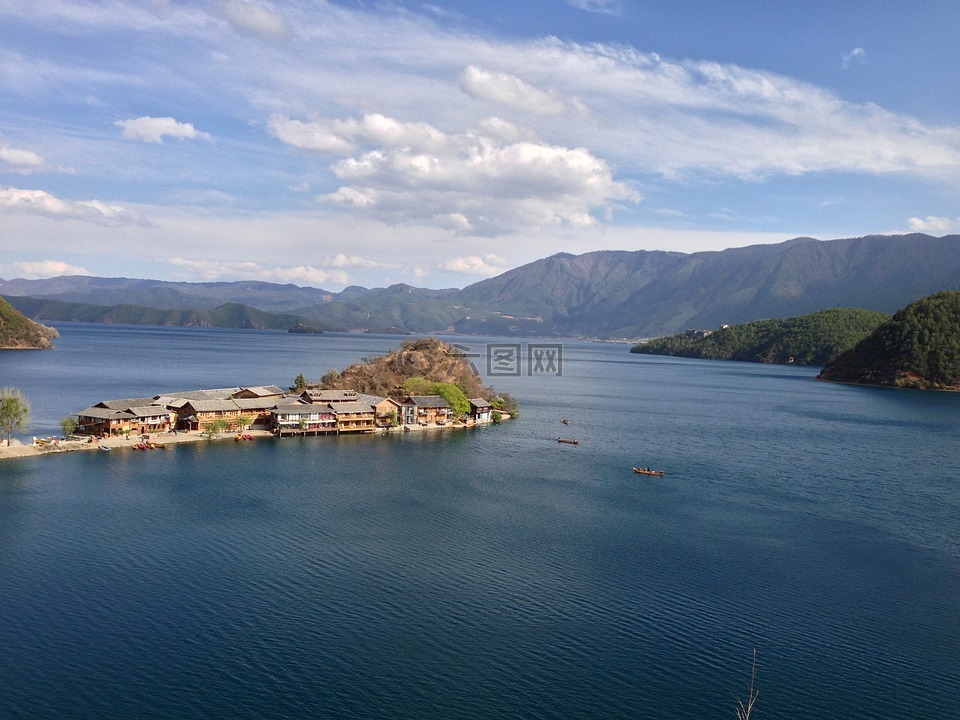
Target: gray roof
[
  {"x": 263, "y": 390},
  {"x": 259, "y": 403},
  {"x": 478, "y": 402},
  {"x": 352, "y": 407},
  {"x": 103, "y": 413},
  {"x": 124, "y": 404},
  {"x": 211, "y": 394},
  {"x": 429, "y": 401},
  {"x": 213, "y": 405}
]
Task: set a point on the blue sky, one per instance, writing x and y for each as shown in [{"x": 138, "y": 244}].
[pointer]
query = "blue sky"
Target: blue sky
[{"x": 338, "y": 143}]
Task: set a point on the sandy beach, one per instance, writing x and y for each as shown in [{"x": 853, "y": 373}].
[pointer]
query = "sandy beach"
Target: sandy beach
[{"x": 20, "y": 449}]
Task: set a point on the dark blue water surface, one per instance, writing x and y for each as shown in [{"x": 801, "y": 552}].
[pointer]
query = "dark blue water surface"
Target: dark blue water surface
[{"x": 491, "y": 573}]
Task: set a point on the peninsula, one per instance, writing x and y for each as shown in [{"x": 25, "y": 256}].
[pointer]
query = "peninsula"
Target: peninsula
[
  {"x": 812, "y": 339},
  {"x": 424, "y": 385},
  {"x": 18, "y": 332},
  {"x": 919, "y": 347}
]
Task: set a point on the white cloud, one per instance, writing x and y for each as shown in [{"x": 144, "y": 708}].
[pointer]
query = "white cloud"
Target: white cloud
[
  {"x": 22, "y": 161},
  {"x": 469, "y": 182},
  {"x": 474, "y": 265},
  {"x": 297, "y": 274},
  {"x": 33, "y": 270},
  {"x": 857, "y": 55},
  {"x": 340, "y": 260},
  {"x": 39, "y": 202},
  {"x": 604, "y": 7},
  {"x": 153, "y": 129},
  {"x": 501, "y": 87},
  {"x": 253, "y": 18},
  {"x": 934, "y": 225}
]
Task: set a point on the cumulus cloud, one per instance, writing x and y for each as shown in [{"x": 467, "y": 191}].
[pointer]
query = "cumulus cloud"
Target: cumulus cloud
[
  {"x": 934, "y": 225},
  {"x": 470, "y": 182},
  {"x": 501, "y": 87},
  {"x": 253, "y": 18},
  {"x": 474, "y": 265},
  {"x": 22, "y": 161},
  {"x": 33, "y": 270},
  {"x": 154, "y": 129},
  {"x": 39, "y": 202},
  {"x": 297, "y": 274}
]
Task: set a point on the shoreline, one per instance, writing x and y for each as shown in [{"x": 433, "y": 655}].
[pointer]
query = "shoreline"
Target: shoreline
[{"x": 21, "y": 449}]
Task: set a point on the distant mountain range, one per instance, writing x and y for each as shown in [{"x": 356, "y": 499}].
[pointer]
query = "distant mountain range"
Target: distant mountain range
[{"x": 605, "y": 294}]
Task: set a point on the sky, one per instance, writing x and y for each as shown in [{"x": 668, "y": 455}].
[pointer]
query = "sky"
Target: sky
[{"x": 329, "y": 144}]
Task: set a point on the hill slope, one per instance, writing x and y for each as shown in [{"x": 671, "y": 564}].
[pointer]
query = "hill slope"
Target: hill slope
[
  {"x": 810, "y": 339},
  {"x": 918, "y": 347},
  {"x": 19, "y": 332}
]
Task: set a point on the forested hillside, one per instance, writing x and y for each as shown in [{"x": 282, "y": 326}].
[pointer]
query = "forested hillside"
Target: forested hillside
[
  {"x": 806, "y": 340},
  {"x": 19, "y": 332},
  {"x": 918, "y": 347}
]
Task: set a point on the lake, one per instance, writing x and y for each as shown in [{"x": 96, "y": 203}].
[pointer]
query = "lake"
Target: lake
[{"x": 484, "y": 573}]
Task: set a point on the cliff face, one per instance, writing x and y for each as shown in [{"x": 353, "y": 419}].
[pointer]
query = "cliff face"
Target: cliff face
[
  {"x": 18, "y": 332},
  {"x": 919, "y": 347}
]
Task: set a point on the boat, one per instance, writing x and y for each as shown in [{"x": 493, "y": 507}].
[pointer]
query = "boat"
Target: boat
[
  {"x": 565, "y": 421},
  {"x": 648, "y": 471},
  {"x": 104, "y": 448},
  {"x": 568, "y": 441}
]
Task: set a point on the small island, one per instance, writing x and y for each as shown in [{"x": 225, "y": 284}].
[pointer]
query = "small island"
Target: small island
[{"x": 919, "y": 347}]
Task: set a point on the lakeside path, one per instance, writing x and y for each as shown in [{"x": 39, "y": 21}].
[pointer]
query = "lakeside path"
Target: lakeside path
[{"x": 23, "y": 450}]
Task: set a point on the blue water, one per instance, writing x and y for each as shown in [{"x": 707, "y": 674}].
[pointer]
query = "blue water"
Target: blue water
[{"x": 491, "y": 573}]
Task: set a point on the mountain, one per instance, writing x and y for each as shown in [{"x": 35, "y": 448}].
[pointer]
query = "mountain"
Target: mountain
[
  {"x": 648, "y": 294},
  {"x": 19, "y": 332},
  {"x": 270, "y": 297},
  {"x": 918, "y": 347},
  {"x": 606, "y": 294},
  {"x": 228, "y": 315},
  {"x": 812, "y": 339}
]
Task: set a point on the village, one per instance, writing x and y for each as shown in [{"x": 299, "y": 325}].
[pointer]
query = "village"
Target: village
[{"x": 271, "y": 410}]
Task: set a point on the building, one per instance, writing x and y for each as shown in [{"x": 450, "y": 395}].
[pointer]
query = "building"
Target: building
[
  {"x": 480, "y": 410},
  {"x": 425, "y": 410}
]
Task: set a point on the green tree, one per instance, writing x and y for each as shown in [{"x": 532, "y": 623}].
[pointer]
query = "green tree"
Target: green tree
[
  {"x": 14, "y": 412},
  {"x": 454, "y": 396},
  {"x": 215, "y": 428},
  {"x": 68, "y": 425},
  {"x": 300, "y": 383}
]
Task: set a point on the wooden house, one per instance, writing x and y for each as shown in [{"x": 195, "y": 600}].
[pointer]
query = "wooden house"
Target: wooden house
[
  {"x": 292, "y": 416},
  {"x": 480, "y": 410},
  {"x": 122, "y": 417},
  {"x": 425, "y": 410}
]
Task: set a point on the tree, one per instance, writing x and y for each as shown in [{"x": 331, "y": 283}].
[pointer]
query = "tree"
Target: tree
[
  {"x": 68, "y": 425},
  {"x": 14, "y": 412},
  {"x": 300, "y": 383},
  {"x": 215, "y": 428}
]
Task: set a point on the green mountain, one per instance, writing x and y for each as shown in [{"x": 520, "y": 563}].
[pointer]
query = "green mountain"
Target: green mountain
[
  {"x": 918, "y": 347},
  {"x": 19, "y": 332},
  {"x": 806, "y": 340},
  {"x": 606, "y": 294}
]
